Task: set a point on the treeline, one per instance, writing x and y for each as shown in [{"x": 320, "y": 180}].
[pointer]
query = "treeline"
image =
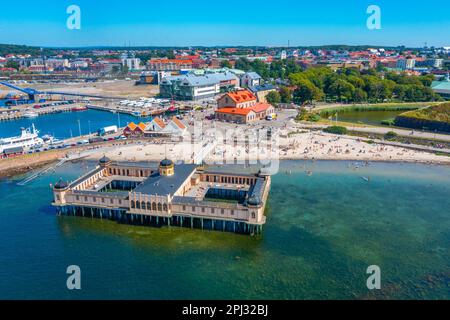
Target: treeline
[
  {"x": 280, "y": 69},
  {"x": 350, "y": 85},
  {"x": 6, "y": 49}
]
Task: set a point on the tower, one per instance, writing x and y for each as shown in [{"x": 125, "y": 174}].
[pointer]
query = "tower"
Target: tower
[{"x": 166, "y": 168}]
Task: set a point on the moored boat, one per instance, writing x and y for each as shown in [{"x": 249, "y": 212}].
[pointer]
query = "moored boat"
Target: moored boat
[
  {"x": 79, "y": 108},
  {"x": 29, "y": 139}
]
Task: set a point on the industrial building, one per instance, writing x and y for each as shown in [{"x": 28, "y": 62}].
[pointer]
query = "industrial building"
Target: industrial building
[{"x": 193, "y": 87}]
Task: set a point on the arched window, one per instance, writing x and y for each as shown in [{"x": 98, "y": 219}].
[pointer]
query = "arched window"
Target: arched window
[
  {"x": 133, "y": 204},
  {"x": 143, "y": 205},
  {"x": 165, "y": 208},
  {"x": 253, "y": 215},
  {"x": 154, "y": 206},
  {"x": 159, "y": 207},
  {"x": 149, "y": 206},
  {"x": 138, "y": 205}
]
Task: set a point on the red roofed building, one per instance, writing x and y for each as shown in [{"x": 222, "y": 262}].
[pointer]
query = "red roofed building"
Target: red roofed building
[
  {"x": 133, "y": 130},
  {"x": 236, "y": 115},
  {"x": 254, "y": 113},
  {"x": 237, "y": 99}
]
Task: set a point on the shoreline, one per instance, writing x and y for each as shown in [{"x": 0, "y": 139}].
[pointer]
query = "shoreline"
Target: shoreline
[
  {"x": 14, "y": 172},
  {"x": 307, "y": 146}
]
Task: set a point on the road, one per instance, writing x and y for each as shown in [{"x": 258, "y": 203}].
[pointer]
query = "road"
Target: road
[{"x": 381, "y": 130}]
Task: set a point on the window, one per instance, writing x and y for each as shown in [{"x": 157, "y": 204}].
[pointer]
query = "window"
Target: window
[
  {"x": 94, "y": 199},
  {"x": 213, "y": 211},
  {"x": 78, "y": 198},
  {"x": 232, "y": 212},
  {"x": 154, "y": 206},
  {"x": 193, "y": 209},
  {"x": 86, "y": 199},
  {"x": 143, "y": 205},
  {"x": 184, "y": 208},
  {"x": 138, "y": 205},
  {"x": 253, "y": 215},
  {"x": 203, "y": 209},
  {"x": 112, "y": 201},
  {"x": 149, "y": 206},
  {"x": 159, "y": 207},
  {"x": 133, "y": 205},
  {"x": 165, "y": 208},
  {"x": 223, "y": 211}
]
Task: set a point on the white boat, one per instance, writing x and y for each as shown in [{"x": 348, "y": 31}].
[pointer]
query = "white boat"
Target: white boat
[
  {"x": 31, "y": 115},
  {"x": 28, "y": 139}
]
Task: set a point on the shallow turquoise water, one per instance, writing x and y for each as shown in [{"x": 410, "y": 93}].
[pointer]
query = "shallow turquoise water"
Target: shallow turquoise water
[{"x": 323, "y": 231}]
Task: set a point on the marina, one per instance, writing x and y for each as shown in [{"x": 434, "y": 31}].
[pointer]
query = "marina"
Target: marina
[{"x": 69, "y": 124}]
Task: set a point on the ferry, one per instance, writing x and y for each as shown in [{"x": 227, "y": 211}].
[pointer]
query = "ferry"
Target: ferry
[{"x": 28, "y": 139}]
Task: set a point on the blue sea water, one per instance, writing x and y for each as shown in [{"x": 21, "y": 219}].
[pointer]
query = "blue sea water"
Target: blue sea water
[{"x": 322, "y": 233}]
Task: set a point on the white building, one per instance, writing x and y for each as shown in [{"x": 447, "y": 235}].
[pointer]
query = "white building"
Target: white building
[
  {"x": 250, "y": 79},
  {"x": 79, "y": 64},
  {"x": 175, "y": 127},
  {"x": 406, "y": 64},
  {"x": 132, "y": 63}
]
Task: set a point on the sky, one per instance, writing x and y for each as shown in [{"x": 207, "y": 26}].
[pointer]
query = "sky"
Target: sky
[{"x": 229, "y": 23}]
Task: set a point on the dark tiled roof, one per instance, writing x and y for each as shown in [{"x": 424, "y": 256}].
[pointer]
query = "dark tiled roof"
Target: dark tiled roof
[
  {"x": 166, "y": 163},
  {"x": 160, "y": 185},
  {"x": 256, "y": 193},
  {"x": 104, "y": 160},
  {"x": 85, "y": 177},
  {"x": 263, "y": 87},
  {"x": 61, "y": 184}
]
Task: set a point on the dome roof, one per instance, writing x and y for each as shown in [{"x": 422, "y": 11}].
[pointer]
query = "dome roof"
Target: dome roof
[
  {"x": 104, "y": 160},
  {"x": 166, "y": 163},
  {"x": 61, "y": 184}
]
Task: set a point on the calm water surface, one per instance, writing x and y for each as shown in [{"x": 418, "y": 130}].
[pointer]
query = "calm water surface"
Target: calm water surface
[
  {"x": 368, "y": 117},
  {"x": 65, "y": 125},
  {"x": 322, "y": 233}
]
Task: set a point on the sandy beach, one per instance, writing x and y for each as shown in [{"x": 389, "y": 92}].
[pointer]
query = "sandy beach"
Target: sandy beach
[{"x": 309, "y": 145}]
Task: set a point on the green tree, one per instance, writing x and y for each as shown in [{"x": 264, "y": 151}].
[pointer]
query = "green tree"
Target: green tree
[
  {"x": 307, "y": 92},
  {"x": 336, "y": 130},
  {"x": 226, "y": 64},
  {"x": 359, "y": 95},
  {"x": 342, "y": 90},
  {"x": 243, "y": 64},
  {"x": 273, "y": 97},
  {"x": 285, "y": 95},
  {"x": 12, "y": 64}
]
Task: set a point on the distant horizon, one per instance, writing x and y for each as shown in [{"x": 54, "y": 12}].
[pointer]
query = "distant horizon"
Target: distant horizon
[
  {"x": 223, "y": 46},
  {"x": 139, "y": 23}
]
